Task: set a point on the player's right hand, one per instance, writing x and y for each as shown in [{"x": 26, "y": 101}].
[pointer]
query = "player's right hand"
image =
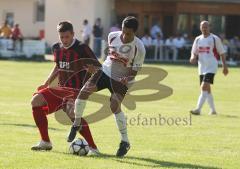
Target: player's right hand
[{"x": 41, "y": 87}]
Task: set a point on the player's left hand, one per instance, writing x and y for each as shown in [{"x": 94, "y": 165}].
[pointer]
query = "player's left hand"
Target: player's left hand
[
  {"x": 225, "y": 70},
  {"x": 91, "y": 69},
  {"x": 124, "y": 80}
]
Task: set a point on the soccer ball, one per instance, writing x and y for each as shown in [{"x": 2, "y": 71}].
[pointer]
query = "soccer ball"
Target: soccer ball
[{"x": 79, "y": 147}]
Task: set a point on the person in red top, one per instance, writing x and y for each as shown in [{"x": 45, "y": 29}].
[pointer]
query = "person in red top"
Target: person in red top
[
  {"x": 75, "y": 62},
  {"x": 17, "y": 35}
]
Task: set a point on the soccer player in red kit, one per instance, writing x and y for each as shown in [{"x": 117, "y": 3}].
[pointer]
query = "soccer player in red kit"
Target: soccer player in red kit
[{"x": 75, "y": 62}]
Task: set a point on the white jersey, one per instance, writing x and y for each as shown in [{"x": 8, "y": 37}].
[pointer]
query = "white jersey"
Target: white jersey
[
  {"x": 203, "y": 48},
  {"x": 123, "y": 56}
]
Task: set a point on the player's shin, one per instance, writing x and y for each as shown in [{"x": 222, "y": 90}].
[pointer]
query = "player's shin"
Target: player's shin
[
  {"x": 122, "y": 126},
  {"x": 201, "y": 100},
  {"x": 78, "y": 111},
  {"x": 41, "y": 122}
]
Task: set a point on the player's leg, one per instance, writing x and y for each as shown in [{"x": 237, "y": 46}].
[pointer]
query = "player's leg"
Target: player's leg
[
  {"x": 91, "y": 86},
  {"x": 205, "y": 88},
  {"x": 210, "y": 100},
  {"x": 119, "y": 91},
  {"x": 68, "y": 107},
  {"x": 39, "y": 114}
]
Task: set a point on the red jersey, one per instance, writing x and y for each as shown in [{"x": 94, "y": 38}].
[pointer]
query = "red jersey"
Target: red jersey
[{"x": 72, "y": 63}]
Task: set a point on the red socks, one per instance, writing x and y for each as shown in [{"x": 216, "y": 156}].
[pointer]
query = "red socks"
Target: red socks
[
  {"x": 86, "y": 133},
  {"x": 41, "y": 121},
  {"x": 40, "y": 118}
]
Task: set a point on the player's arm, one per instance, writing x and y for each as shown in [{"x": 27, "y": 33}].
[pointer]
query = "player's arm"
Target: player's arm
[
  {"x": 222, "y": 54},
  {"x": 53, "y": 74},
  {"x": 92, "y": 63},
  {"x": 137, "y": 65},
  {"x": 194, "y": 57}
]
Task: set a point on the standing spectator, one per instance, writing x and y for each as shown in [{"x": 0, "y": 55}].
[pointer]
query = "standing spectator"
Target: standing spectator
[
  {"x": 147, "y": 42},
  {"x": 170, "y": 49},
  {"x": 86, "y": 32},
  {"x": 97, "y": 33},
  {"x": 155, "y": 30},
  {"x": 158, "y": 44},
  {"x": 115, "y": 28},
  {"x": 204, "y": 51},
  {"x": 179, "y": 43},
  {"x": 5, "y": 31},
  {"x": 195, "y": 31},
  {"x": 17, "y": 36},
  {"x": 235, "y": 47}
]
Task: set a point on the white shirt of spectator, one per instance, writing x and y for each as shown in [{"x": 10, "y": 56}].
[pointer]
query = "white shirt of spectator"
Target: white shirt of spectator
[
  {"x": 178, "y": 42},
  {"x": 123, "y": 56},
  {"x": 86, "y": 32},
  {"x": 147, "y": 40},
  {"x": 155, "y": 30},
  {"x": 203, "y": 48},
  {"x": 158, "y": 42}
]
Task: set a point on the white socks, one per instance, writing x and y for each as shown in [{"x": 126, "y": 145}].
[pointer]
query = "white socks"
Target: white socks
[
  {"x": 122, "y": 126},
  {"x": 78, "y": 111},
  {"x": 211, "y": 102},
  {"x": 201, "y": 100}
]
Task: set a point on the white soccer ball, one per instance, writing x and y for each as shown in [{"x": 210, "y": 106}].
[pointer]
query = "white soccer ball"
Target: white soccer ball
[{"x": 79, "y": 147}]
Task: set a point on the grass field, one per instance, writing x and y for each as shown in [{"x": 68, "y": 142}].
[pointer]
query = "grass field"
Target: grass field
[{"x": 209, "y": 142}]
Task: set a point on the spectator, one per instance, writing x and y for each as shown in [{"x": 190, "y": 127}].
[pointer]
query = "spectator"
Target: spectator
[
  {"x": 235, "y": 47},
  {"x": 147, "y": 42},
  {"x": 170, "y": 49},
  {"x": 158, "y": 44},
  {"x": 179, "y": 43},
  {"x": 17, "y": 36},
  {"x": 158, "y": 41},
  {"x": 226, "y": 44},
  {"x": 195, "y": 31},
  {"x": 86, "y": 32},
  {"x": 115, "y": 28},
  {"x": 97, "y": 33},
  {"x": 5, "y": 31},
  {"x": 155, "y": 30}
]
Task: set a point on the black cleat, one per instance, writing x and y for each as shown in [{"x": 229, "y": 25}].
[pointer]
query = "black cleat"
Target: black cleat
[
  {"x": 72, "y": 134},
  {"x": 123, "y": 149}
]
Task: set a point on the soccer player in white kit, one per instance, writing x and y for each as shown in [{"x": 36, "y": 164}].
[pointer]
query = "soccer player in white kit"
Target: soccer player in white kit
[
  {"x": 205, "y": 50},
  {"x": 125, "y": 58}
]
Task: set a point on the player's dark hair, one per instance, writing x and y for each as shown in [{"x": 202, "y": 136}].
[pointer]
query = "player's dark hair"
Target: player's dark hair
[
  {"x": 65, "y": 26},
  {"x": 130, "y": 22}
]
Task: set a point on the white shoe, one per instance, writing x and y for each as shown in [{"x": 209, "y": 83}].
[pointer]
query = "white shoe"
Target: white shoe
[
  {"x": 93, "y": 151},
  {"x": 195, "y": 112},
  {"x": 42, "y": 145},
  {"x": 212, "y": 113}
]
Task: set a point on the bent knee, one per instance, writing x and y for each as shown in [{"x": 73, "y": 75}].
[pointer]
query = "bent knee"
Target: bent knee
[
  {"x": 115, "y": 106},
  {"x": 38, "y": 100}
]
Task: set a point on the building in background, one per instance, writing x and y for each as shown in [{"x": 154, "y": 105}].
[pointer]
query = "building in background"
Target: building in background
[
  {"x": 182, "y": 15},
  {"x": 38, "y": 18}
]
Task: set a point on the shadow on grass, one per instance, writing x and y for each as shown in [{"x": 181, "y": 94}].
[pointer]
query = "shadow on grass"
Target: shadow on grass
[
  {"x": 153, "y": 163},
  {"x": 144, "y": 161},
  {"x": 229, "y": 116},
  {"x": 28, "y": 125}
]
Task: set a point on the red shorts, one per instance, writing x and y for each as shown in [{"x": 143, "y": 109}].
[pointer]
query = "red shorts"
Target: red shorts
[{"x": 56, "y": 97}]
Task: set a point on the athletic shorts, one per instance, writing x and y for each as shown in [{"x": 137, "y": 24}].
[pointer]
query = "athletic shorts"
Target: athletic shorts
[
  {"x": 102, "y": 81},
  {"x": 208, "y": 78},
  {"x": 56, "y": 97}
]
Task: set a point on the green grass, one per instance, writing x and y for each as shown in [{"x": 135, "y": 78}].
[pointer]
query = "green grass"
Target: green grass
[{"x": 210, "y": 142}]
